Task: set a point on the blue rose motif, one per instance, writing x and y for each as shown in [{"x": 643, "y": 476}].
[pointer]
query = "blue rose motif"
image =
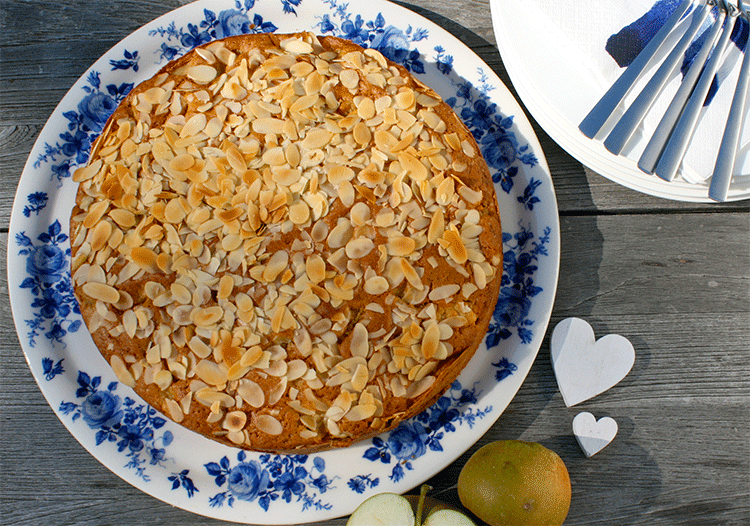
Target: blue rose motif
[
  {"x": 47, "y": 263},
  {"x": 101, "y": 409},
  {"x": 95, "y": 109},
  {"x": 408, "y": 441},
  {"x": 512, "y": 306},
  {"x": 231, "y": 23},
  {"x": 500, "y": 149},
  {"x": 134, "y": 437},
  {"x": 247, "y": 480},
  {"x": 392, "y": 43}
]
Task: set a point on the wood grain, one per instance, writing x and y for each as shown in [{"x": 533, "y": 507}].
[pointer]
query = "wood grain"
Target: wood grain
[{"x": 672, "y": 277}]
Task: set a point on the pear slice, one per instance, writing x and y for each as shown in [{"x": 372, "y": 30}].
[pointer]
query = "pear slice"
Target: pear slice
[
  {"x": 386, "y": 509},
  {"x": 447, "y": 517}
]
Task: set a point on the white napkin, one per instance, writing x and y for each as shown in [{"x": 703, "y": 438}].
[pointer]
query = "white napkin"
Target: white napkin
[{"x": 587, "y": 26}]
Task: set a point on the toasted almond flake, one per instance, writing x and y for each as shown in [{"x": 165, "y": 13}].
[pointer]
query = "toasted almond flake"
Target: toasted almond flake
[
  {"x": 366, "y": 108},
  {"x": 278, "y": 391},
  {"x": 121, "y": 370},
  {"x": 361, "y": 412},
  {"x": 360, "y": 377},
  {"x": 451, "y": 241},
  {"x": 413, "y": 166},
  {"x": 163, "y": 379},
  {"x": 124, "y": 218},
  {"x": 430, "y": 340},
  {"x": 359, "y": 247},
  {"x": 376, "y": 285},
  {"x": 315, "y": 268},
  {"x": 268, "y": 424},
  {"x": 316, "y": 138},
  {"x": 410, "y": 274},
  {"x": 276, "y": 265},
  {"x": 361, "y": 133},
  {"x": 101, "y": 292},
  {"x": 211, "y": 372},
  {"x": 194, "y": 125},
  {"x": 206, "y": 317},
  {"x": 401, "y": 245},
  {"x": 268, "y": 125},
  {"x": 234, "y": 421},
  {"x": 299, "y": 213},
  {"x": 174, "y": 409},
  {"x": 286, "y": 176},
  {"x": 340, "y": 173},
  {"x": 214, "y": 399},
  {"x": 87, "y": 172},
  {"x": 202, "y": 74},
  {"x": 95, "y": 213},
  {"x": 174, "y": 212},
  {"x": 359, "y": 344},
  {"x": 443, "y": 292},
  {"x": 349, "y": 78},
  {"x": 251, "y": 393},
  {"x": 418, "y": 388},
  {"x": 226, "y": 284},
  {"x": 100, "y": 235},
  {"x": 340, "y": 235}
]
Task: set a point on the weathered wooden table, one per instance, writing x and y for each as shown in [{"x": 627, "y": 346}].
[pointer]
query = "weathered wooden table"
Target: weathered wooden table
[{"x": 672, "y": 277}]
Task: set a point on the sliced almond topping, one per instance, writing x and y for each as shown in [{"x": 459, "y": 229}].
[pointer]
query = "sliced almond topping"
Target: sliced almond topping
[
  {"x": 211, "y": 372},
  {"x": 174, "y": 409},
  {"x": 268, "y": 424},
  {"x": 299, "y": 213},
  {"x": 401, "y": 245},
  {"x": 207, "y": 317},
  {"x": 359, "y": 344},
  {"x": 452, "y": 243},
  {"x": 443, "y": 292},
  {"x": 276, "y": 265},
  {"x": 202, "y": 74},
  {"x": 234, "y": 421},
  {"x": 361, "y": 412},
  {"x": 315, "y": 268},
  {"x": 251, "y": 393},
  {"x": 121, "y": 371},
  {"x": 226, "y": 284},
  {"x": 359, "y": 247},
  {"x": 413, "y": 166},
  {"x": 268, "y": 125},
  {"x": 101, "y": 292}
]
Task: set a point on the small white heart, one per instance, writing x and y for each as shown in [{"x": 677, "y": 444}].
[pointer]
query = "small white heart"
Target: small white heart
[
  {"x": 593, "y": 435},
  {"x": 585, "y": 367}
]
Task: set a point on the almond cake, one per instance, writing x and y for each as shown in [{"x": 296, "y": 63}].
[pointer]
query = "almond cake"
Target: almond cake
[{"x": 286, "y": 243}]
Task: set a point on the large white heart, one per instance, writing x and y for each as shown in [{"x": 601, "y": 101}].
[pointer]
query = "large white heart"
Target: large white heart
[
  {"x": 593, "y": 435},
  {"x": 585, "y": 367}
]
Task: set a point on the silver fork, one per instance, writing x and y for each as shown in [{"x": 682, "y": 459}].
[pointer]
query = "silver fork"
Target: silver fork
[
  {"x": 680, "y": 139},
  {"x": 604, "y": 108},
  {"x": 655, "y": 146},
  {"x": 722, "y": 176}
]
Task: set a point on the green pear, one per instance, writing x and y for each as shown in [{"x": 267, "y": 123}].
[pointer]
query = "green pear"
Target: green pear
[{"x": 516, "y": 483}]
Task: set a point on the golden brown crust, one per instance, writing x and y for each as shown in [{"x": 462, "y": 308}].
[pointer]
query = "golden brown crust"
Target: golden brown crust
[{"x": 286, "y": 243}]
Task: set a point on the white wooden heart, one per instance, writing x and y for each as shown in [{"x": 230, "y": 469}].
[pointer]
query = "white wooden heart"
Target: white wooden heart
[
  {"x": 593, "y": 435},
  {"x": 585, "y": 367}
]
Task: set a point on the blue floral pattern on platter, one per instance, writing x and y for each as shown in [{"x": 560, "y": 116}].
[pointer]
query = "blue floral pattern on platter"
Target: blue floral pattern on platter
[{"x": 123, "y": 428}]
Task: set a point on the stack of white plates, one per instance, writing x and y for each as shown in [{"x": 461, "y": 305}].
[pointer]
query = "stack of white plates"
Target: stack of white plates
[{"x": 554, "y": 52}]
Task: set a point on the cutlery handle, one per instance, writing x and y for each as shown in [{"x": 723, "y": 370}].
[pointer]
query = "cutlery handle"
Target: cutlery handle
[
  {"x": 655, "y": 146},
  {"x": 683, "y": 132},
  {"x": 599, "y": 114},
  {"x": 722, "y": 175},
  {"x": 627, "y": 124}
]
